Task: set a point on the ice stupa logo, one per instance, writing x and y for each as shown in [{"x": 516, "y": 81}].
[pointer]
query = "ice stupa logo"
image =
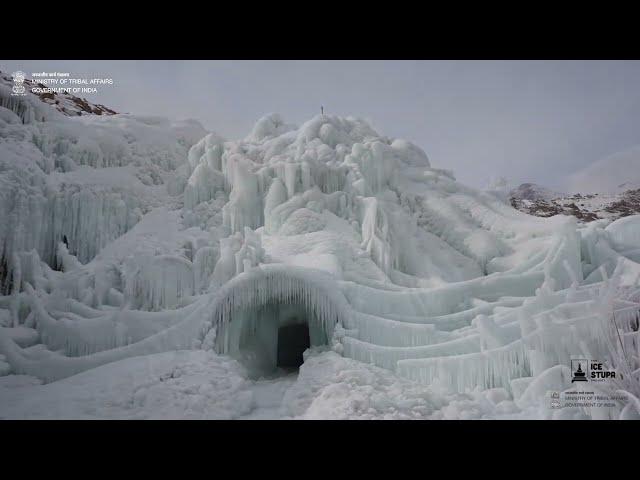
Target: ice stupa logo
[
  {"x": 579, "y": 374},
  {"x": 18, "y": 80}
]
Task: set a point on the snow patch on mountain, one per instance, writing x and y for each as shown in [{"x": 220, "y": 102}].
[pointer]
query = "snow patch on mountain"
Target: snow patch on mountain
[
  {"x": 586, "y": 207},
  {"x": 611, "y": 175}
]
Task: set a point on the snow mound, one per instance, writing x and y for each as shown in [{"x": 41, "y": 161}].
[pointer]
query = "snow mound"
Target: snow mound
[
  {"x": 181, "y": 384},
  {"x": 625, "y": 232},
  {"x": 132, "y": 236}
]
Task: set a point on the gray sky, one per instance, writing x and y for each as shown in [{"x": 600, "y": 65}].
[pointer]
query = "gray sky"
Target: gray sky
[{"x": 532, "y": 121}]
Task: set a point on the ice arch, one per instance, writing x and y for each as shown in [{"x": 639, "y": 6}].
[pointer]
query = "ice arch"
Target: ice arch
[
  {"x": 253, "y": 311},
  {"x": 205, "y": 323}
]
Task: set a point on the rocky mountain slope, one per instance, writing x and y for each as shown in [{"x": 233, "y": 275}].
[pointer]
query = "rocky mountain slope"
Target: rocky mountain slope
[
  {"x": 65, "y": 103},
  {"x": 586, "y": 207}
]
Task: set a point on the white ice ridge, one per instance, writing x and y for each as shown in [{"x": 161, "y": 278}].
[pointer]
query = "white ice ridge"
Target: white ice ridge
[{"x": 126, "y": 236}]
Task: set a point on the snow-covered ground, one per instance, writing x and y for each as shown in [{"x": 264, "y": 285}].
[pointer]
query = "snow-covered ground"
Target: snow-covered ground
[
  {"x": 149, "y": 270},
  {"x": 194, "y": 384}
]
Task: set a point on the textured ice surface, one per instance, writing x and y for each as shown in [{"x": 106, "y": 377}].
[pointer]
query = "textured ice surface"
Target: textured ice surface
[
  {"x": 133, "y": 241},
  {"x": 196, "y": 384}
]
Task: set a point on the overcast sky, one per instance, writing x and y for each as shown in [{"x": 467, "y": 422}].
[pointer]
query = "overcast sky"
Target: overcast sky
[{"x": 534, "y": 121}]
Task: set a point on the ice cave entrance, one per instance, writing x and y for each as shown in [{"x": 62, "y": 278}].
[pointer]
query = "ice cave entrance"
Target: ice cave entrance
[
  {"x": 293, "y": 340},
  {"x": 271, "y": 339}
]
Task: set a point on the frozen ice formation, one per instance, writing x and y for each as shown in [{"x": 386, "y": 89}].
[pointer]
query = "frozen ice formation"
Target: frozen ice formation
[{"x": 125, "y": 236}]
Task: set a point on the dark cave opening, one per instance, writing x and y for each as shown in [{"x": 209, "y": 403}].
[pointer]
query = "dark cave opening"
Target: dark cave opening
[
  {"x": 293, "y": 340},
  {"x": 272, "y": 338}
]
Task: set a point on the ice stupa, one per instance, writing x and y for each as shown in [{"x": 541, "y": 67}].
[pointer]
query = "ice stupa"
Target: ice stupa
[{"x": 125, "y": 236}]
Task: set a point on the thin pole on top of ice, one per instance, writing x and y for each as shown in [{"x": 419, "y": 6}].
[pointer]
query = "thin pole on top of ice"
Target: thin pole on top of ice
[{"x": 321, "y": 109}]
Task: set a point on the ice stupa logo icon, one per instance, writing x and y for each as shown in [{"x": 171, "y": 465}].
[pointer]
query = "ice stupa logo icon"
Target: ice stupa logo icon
[{"x": 579, "y": 374}]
